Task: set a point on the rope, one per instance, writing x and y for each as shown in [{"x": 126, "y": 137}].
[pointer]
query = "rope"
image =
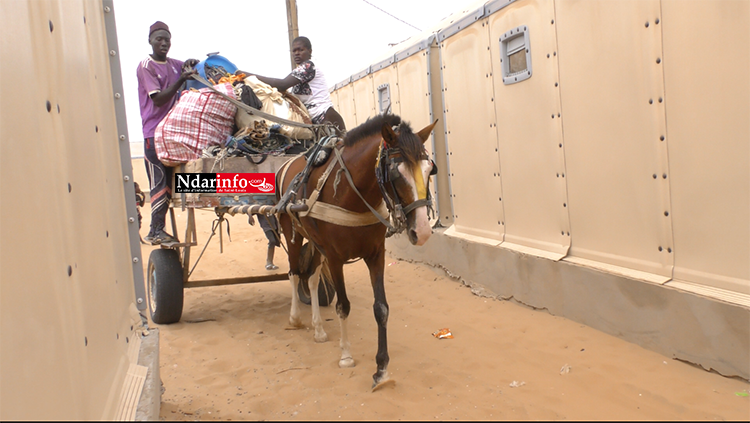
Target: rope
[
  {"x": 214, "y": 225},
  {"x": 254, "y": 111},
  {"x": 354, "y": 188}
]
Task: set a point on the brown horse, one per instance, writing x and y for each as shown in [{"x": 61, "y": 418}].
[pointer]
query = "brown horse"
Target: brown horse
[{"x": 385, "y": 171}]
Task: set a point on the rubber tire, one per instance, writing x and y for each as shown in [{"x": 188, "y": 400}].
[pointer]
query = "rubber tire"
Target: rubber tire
[
  {"x": 326, "y": 291},
  {"x": 164, "y": 286}
]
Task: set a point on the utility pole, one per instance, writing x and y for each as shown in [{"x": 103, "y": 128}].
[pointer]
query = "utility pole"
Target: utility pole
[{"x": 291, "y": 20}]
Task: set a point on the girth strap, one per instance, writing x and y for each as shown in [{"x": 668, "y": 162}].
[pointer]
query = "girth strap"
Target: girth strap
[
  {"x": 313, "y": 198},
  {"x": 343, "y": 217}
]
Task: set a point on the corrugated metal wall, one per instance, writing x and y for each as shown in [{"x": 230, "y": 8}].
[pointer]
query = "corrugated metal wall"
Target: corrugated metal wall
[
  {"x": 66, "y": 269},
  {"x": 625, "y": 148}
]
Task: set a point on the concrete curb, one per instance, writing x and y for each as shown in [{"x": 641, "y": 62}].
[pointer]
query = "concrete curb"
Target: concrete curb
[{"x": 149, "y": 405}]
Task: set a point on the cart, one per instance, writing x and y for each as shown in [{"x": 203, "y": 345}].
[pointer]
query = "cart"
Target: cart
[
  {"x": 169, "y": 267},
  {"x": 168, "y": 271}
]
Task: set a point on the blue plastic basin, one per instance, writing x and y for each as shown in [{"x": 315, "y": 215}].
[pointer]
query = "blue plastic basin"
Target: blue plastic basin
[{"x": 212, "y": 60}]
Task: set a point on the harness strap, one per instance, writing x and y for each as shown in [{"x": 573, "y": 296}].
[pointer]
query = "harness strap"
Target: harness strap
[
  {"x": 421, "y": 202},
  {"x": 341, "y": 216},
  {"x": 354, "y": 187},
  {"x": 313, "y": 198}
]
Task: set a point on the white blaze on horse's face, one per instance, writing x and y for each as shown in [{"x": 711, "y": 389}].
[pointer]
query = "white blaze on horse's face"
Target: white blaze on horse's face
[{"x": 420, "y": 232}]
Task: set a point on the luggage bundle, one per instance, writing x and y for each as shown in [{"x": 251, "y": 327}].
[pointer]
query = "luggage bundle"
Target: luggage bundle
[{"x": 204, "y": 122}]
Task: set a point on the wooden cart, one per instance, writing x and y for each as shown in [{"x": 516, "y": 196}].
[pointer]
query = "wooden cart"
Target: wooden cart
[{"x": 168, "y": 271}]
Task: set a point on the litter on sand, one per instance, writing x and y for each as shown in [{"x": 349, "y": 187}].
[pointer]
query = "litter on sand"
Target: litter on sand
[
  {"x": 516, "y": 384},
  {"x": 443, "y": 333},
  {"x": 565, "y": 369},
  {"x": 742, "y": 394}
]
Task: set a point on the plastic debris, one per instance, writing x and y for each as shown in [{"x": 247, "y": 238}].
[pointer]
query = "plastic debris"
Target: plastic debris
[
  {"x": 392, "y": 263},
  {"x": 516, "y": 384},
  {"x": 565, "y": 369},
  {"x": 443, "y": 333},
  {"x": 742, "y": 394}
]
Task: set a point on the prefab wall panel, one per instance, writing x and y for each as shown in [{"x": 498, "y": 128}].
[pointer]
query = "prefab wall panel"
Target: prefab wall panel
[
  {"x": 415, "y": 94},
  {"x": 335, "y": 100},
  {"x": 364, "y": 98},
  {"x": 66, "y": 263},
  {"x": 613, "y": 117},
  {"x": 345, "y": 95},
  {"x": 414, "y": 91},
  {"x": 385, "y": 83},
  {"x": 707, "y": 78},
  {"x": 471, "y": 128},
  {"x": 622, "y": 150},
  {"x": 529, "y": 131},
  {"x": 407, "y": 80}
]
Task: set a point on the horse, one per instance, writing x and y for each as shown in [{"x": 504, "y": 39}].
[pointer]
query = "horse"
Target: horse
[{"x": 381, "y": 169}]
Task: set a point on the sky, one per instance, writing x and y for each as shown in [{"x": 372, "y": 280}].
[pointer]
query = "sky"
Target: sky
[{"x": 346, "y": 35}]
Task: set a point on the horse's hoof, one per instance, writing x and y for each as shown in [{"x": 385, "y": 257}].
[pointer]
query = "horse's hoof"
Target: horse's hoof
[
  {"x": 346, "y": 362},
  {"x": 321, "y": 338},
  {"x": 382, "y": 383}
]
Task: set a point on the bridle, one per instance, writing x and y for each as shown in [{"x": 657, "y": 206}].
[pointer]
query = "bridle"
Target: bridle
[{"x": 387, "y": 174}]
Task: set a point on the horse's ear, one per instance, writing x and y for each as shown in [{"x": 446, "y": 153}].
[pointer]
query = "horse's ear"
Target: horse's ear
[
  {"x": 424, "y": 134},
  {"x": 389, "y": 136}
]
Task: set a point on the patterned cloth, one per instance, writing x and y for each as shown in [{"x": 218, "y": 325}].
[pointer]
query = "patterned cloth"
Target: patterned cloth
[
  {"x": 312, "y": 90},
  {"x": 200, "y": 119}
]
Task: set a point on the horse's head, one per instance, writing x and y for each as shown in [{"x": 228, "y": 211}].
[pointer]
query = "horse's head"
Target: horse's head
[{"x": 406, "y": 168}]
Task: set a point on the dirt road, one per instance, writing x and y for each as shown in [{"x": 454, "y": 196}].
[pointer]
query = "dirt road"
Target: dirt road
[{"x": 231, "y": 356}]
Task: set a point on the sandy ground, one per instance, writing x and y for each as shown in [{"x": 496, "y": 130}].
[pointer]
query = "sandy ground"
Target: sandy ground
[{"x": 231, "y": 356}]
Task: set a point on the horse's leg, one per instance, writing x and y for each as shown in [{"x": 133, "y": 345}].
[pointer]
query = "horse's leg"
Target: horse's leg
[
  {"x": 294, "y": 268},
  {"x": 376, "y": 265},
  {"x": 342, "y": 310},
  {"x": 312, "y": 283}
]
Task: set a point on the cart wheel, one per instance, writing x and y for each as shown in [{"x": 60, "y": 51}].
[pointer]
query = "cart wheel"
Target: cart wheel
[
  {"x": 165, "y": 289},
  {"x": 326, "y": 291}
]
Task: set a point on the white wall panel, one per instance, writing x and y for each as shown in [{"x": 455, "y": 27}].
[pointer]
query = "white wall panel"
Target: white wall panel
[
  {"x": 707, "y": 79},
  {"x": 611, "y": 86},
  {"x": 472, "y": 133},
  {"x": 66, "y": 270},
  {"x": 529, "y": 134},
  {"x": 364, "y": 98}
]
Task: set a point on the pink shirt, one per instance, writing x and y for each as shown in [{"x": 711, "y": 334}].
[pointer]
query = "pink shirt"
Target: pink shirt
[{"x": 154, "y": 77}]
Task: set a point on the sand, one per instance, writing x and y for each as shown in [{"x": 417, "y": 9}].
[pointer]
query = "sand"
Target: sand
[{"x": 232, "y": 357}]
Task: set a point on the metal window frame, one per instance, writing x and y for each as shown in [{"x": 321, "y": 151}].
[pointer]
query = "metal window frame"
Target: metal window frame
[
  {"x": 505, "y": 39},
  {"x": 383, "y": 105}
]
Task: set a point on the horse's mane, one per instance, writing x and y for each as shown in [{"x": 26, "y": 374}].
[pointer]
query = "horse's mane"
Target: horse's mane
[
  {"x": 371, "y": 127},
  {"x": 409, "y": 143}
]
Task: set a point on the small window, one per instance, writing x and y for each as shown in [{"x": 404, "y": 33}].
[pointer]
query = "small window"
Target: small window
[
  {"x": 384, "y": 97},
  {"x": 515, "y": 55}
]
